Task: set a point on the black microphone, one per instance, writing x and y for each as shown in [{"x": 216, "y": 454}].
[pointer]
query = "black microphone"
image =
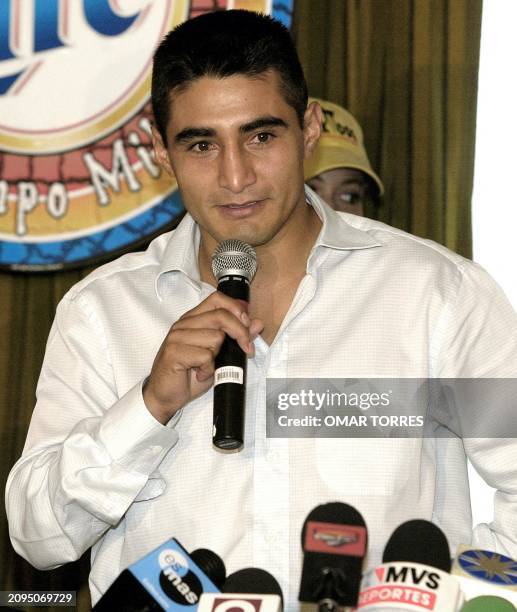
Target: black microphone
[
  {"x": 247, "y": 590},
  {"x": 334, "y": 540},
  {"x": 419, "y": 541},
  {"x": 167, "y": 578},
  {"x": 234, "y": 264},
  {"x": 414, "y": 574},
  {"x": 252, "y": 580}
]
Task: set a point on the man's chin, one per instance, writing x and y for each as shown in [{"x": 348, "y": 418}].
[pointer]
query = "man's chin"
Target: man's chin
[{"x": 248, "y": 235}]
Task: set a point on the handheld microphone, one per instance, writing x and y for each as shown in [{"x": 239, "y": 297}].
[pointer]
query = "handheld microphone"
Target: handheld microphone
[
  {"x": 234, "y": 264},
  {"x": 414, "y": 574},
  {"x": 483, "y": 572},
  {"x": 334, "y": 539},
  {"x": 488, "y": 603},
  {"x": 248, "y": 590},
  {"x": 167, "y": 578}
]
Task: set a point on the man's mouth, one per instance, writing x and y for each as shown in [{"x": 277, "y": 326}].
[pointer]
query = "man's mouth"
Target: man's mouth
[
  {"x": 241, "y": 204},
  {"x": 241, "y": 209}
]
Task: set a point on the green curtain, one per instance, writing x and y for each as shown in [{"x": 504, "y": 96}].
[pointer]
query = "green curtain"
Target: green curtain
[{"x": 407, "y": 69}]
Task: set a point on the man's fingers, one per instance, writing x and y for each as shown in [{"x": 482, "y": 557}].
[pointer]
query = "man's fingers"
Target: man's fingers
[
  {"x": 219, "y": 320},
  {"x": 218, "y": 300},
  {"x": 211, "y": 339},
  {"x": 256, "y": 328}
]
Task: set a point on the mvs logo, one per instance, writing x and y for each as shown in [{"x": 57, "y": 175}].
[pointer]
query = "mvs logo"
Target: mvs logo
[
  {"x": 78, "y": 179},
  {"x": 413, "y": 575}
]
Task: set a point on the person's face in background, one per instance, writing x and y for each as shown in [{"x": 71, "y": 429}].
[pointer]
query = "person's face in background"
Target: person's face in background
[{"x": 344, "y": 189}]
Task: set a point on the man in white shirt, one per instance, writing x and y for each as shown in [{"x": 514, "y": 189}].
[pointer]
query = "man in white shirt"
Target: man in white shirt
[{"x": 118, "y": 455}]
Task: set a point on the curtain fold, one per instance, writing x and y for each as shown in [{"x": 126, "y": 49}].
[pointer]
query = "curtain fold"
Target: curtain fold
[{"x": 407, "y": 69}]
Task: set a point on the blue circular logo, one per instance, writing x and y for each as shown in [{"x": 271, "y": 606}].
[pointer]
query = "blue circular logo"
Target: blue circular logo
[{"x": 489, "y": 566}]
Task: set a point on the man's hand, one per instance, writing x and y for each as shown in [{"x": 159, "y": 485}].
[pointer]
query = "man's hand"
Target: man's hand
[{"x": 183, "y": 368}]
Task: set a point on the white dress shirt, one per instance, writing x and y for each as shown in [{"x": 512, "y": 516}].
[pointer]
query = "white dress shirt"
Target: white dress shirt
[{"x": 98, "y": 470}]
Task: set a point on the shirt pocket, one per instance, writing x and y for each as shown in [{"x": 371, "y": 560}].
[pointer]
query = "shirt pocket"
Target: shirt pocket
[{"x": 368, "y": 467}]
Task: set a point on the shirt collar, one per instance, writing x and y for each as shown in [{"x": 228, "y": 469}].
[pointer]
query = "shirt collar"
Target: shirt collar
[
  {"x": 336, "y": 232},
  {"x": 181, "y": 252}
]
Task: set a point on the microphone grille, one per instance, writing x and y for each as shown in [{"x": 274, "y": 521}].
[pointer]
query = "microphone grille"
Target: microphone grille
[{"x": 234, "y": 257}]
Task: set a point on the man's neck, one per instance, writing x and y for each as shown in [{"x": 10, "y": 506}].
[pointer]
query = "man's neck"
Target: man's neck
[
  {"x": 280, "y": 261},
  {"x": 281, "y": 267}
]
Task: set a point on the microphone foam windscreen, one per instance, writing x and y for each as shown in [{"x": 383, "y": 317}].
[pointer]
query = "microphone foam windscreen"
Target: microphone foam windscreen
[
  {"x": 211, "y": 564},
  {"x": 419, "y": 541},
  {"x": 252, "y": 580},
  {"x": 488, "y": 603},
  {"x": 334, "y": 540}
]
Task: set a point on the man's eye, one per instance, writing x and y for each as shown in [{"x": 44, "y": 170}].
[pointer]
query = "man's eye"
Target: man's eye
[
  {"x": 264, "y": 137},
  {"x": 201, "y": 147}
]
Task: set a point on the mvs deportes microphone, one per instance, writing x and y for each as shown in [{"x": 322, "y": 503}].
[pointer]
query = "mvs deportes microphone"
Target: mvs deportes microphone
[
  {"x": 414, "y": 573},
  {"x": 234, "y": 264},
  {"x": 167, "y": 578},
  {"x": 419, "y": 541},
  {"x": 334, "y": 539},
  {"x": 248, "y": 590}
]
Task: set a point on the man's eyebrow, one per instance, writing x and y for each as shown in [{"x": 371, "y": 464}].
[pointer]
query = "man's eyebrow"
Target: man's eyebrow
[
  {"x": 190, "y": 133},
  {"x": 263, "y": 122}
]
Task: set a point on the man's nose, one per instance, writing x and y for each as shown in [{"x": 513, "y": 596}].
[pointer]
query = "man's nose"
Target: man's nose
[{"x": 236, "y": 169}]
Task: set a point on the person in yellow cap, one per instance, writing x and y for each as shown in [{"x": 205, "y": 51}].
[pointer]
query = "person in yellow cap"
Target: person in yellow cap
[{"x": 339, "y": 170}]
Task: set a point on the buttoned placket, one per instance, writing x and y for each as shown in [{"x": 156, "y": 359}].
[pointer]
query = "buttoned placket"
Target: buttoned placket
[{"x": 271, "y": 481}]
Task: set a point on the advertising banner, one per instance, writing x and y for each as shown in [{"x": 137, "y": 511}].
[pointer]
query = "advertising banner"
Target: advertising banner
[{"x": 78, "y": 180}]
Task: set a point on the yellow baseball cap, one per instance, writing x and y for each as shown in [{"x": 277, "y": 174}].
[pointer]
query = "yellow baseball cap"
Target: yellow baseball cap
[{"x": 341, "y": 144}]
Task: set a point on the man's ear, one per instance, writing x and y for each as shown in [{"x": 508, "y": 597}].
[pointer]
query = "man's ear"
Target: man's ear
[
  {"x": 312, "y": 122},
  {"x": 160, "y": 151}
]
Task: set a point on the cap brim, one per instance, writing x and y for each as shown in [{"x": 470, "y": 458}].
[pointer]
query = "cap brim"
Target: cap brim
[{"x": 329, "y": 157}]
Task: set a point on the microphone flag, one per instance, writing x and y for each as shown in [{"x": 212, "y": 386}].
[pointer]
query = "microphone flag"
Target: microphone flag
[
  {"x": 165, "y": 579},
  {"x": 409, "y": 586}
]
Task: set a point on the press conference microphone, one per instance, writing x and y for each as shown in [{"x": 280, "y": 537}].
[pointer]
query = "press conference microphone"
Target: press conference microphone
[
  {"x": 334, "y": 538},
  {"x": 234, "y": 264},
  {"x": 488, "y": 603},
  {"x": 484, "y": 572},
  {"x": 414, "y": 574},
  {"x": 419, "y": 541},
  {"x": 248, "y": 590},
  {"x": 167, "y": 578}
]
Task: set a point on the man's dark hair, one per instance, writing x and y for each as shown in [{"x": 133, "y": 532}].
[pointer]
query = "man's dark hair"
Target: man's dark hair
[{"x": 222, "y": 44}]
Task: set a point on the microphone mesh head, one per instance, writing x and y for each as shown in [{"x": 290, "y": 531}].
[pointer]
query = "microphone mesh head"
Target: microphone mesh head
[{"x": 234, "y": 257}]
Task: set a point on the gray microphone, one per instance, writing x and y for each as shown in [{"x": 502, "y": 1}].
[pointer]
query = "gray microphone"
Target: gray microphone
[{"x": 234, "y": 264}]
